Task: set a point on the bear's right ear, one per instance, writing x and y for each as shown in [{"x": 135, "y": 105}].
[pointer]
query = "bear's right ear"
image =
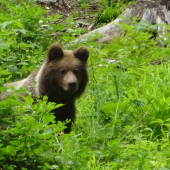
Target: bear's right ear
[{"x": 54, "y": 52}]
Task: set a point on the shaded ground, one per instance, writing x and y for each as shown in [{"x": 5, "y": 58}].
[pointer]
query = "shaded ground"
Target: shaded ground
[{"x": 79, "y": 11}]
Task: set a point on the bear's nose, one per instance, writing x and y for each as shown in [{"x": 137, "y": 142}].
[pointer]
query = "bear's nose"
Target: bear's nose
[{"x": 72, "y": 84}]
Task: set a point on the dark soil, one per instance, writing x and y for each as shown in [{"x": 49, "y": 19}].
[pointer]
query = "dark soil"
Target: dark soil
[{"x": 75, "y": 10}]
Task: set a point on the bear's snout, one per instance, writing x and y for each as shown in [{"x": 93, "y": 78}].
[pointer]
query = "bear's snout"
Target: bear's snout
[
  {"x": 72, "y": 86},
  {"x": 70, "y": 82}
]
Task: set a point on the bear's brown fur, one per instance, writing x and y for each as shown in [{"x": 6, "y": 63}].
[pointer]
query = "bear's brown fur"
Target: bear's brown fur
[{"x": 63, "y": 78}]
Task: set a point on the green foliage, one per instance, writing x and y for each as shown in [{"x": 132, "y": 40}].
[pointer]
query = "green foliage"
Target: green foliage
[
  {"x": 109, "y": 10},
  {"x": 83, "y": 1},
  {"x": 84, "y": 6},
  {"x": 27, "y": 140},
  {"x": 24, "y": 40},
  {"x": 126, "y": 83},
  {"x": 123, "y": 118}
]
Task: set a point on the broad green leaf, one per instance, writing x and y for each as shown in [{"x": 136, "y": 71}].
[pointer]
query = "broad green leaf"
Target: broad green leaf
[
  {"x": 20, "y": 91},
  {"x": 4, "y": 72},
  {"x": 69, "y": 19},
  {"x": 57, "y": 17},
  {"x": 28, "y": 99},
  {"x": 20, "y": 30},
  {"x": 24, "y": 45},
  {"x": 158, "y": 121},
  {"x": 60, "y": 27},
  {"x": 13, "y": 69},
  {"x": 5, "y": 24},
  {"x": 22, "y": 63},
  {"x": 48, "y": 119}
]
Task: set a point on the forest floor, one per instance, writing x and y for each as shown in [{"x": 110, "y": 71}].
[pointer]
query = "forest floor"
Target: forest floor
[{"x": 82, "y": 12}]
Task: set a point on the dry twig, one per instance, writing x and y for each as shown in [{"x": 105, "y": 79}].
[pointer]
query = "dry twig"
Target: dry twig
[
  {"x": 134, "y": 125},
  {"x": 88, "y": 17}
]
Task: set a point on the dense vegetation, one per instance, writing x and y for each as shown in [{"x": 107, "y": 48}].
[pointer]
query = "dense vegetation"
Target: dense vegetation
[{"x": 123, "y": 119}]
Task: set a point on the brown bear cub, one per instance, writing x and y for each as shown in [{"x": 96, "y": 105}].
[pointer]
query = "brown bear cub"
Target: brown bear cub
[{"x": 63, "y": 78}]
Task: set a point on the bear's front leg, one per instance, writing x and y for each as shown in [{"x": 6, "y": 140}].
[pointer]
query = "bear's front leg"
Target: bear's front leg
[
  {"x": 68, "y": 129},
  {"x": 65, "y": 112}
]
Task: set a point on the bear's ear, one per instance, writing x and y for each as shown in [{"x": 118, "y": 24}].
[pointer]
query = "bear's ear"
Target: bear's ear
[
  {"x": 82, "y": 53},
  {"x": 54, "y": 52}
]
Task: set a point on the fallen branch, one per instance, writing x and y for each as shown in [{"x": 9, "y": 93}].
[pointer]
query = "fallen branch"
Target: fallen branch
[
  {"x": 51, "y": 3},
  {"x": 88, "y": 17}
]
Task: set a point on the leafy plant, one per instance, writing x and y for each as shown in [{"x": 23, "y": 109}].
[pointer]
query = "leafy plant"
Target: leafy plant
[
  {"x": 123, "y": 117},
  {"x": 27, "y": 139},
  {"x": 109, "y": 10},
  {"x": 84, "y": 6}
]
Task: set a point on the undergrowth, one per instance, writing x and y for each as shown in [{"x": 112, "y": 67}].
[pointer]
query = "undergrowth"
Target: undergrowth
[
  {"x": 123, "y": 117},
  {"x": 109, "y": 10}
]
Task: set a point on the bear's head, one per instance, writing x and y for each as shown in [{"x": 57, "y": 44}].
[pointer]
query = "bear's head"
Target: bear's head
[{"x": 64, "y": 73}]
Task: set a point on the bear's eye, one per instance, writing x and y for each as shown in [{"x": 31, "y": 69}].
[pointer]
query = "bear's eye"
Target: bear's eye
[
  {"x": 76, "y": 71},
  {"x": 62, "y": 71}
]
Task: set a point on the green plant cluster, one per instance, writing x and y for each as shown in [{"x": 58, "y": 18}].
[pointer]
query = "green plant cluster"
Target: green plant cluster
[
  {"x": 109, "y": 10},
  {"x": 123, "y": 119},
  {"x": 27, "y": 139},
  {"x": 26, "y": 32}
]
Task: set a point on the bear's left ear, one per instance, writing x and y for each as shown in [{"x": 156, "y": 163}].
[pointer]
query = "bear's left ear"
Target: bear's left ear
[
  {"x": 54, "y": 52},
  {"x": 82, "y": 53}
]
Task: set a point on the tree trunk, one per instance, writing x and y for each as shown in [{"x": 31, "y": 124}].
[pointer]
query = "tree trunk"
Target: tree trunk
[{"x": 152, "y": 12}]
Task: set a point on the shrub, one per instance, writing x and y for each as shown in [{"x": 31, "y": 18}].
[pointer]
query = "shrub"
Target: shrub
[{"x": 28, "y": 136}]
